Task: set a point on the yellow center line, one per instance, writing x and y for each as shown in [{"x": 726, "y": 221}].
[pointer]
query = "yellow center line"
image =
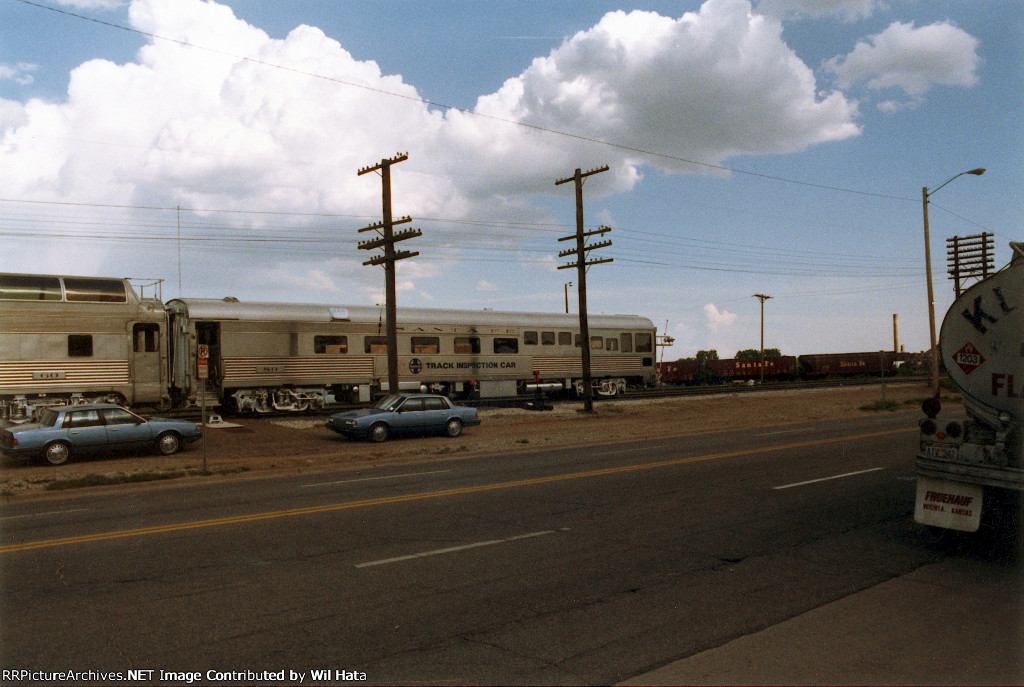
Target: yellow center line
[{"x": 311, "y": 510}]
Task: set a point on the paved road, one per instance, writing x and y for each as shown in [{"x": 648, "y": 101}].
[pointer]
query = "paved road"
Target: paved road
[{"x": 589, "y": 566}]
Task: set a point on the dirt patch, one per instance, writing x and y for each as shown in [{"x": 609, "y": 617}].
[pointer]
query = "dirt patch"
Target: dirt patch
[{"x": 305, "y": 444}]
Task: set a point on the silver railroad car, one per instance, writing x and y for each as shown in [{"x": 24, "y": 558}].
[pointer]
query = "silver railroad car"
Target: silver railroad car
[
  {"x": 67, "y": 340},
  {"x": 278, "y": 356}
]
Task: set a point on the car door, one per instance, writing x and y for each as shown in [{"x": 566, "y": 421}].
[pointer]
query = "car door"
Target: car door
[
  {"x": 435, "y": 413},
  {"x": 125, "y": 430},
  {"x": 86, "y": 430},
  {"x": 409, "y": 417}
]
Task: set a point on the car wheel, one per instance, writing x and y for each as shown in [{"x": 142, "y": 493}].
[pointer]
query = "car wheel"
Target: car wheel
[
  {"x": 57, "y": 453},
  {"x": 453, "y": 428},
  {"x": 168, "y": 443},
  {"x": 379, "y": 432}
]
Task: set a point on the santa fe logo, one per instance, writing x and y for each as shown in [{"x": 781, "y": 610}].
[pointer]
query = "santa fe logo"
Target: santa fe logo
[{"x": 968, "y": 358}]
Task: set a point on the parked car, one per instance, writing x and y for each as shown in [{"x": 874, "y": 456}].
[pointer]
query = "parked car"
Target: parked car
[
  {"x": 404, "y": 414},
  {"x": 59, "y": 433}
]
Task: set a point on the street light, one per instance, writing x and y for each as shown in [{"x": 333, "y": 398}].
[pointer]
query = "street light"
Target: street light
[
  {"x": 567, "y": 285},
  {"x": 925, "y": 194}
]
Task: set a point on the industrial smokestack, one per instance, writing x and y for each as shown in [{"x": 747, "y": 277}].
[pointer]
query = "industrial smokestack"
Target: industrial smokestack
[{"x": 895, "y": 333}]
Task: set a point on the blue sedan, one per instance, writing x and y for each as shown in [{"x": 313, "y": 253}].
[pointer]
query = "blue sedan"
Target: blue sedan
[
  {"x": 404, "y": 414},
  {"x": 62, "y": 432}
]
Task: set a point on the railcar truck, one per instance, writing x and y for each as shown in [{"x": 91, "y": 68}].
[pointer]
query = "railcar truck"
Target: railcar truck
[{"x": 975, "y": 457}]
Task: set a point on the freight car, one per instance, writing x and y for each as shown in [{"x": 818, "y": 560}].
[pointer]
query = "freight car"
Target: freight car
[
  {"x": 870, "y": 363},
  {"x": 728, "y": 370},
  {"x": 746, "y": 369},
  {"x": 783, "y": 368},
  {"x": 74, "y": 339}
]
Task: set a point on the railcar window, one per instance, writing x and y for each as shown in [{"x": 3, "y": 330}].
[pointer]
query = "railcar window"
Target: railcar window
[
  {"x": 15, "y": 287},
  {"x": 576, "y": 341},
  {"x": 627, "y": 343},
  {"x": 530, "y": 338},
  {"x": 95, "y": 290},
  {"x": 643, "y": 343},
  {"x": 79, "y": 345},
  {"x": 565, "y": 338},
  {"x": 611, "y": 343},
  {"x": 547, "y": 338},
  {"x": 467, "y": 345},
  {"x": 505, "y": 345},
  {"x": 426, "y": 345},
  {"x": 145, "y": 338},
  {"x": 596, "y": 343},
  {"x": 375, "y": 344},
  {"x": 323, "y": 343}
]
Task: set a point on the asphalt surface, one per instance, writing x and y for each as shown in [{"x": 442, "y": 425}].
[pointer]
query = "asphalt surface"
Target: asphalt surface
[{"x": 749, "y": 554}]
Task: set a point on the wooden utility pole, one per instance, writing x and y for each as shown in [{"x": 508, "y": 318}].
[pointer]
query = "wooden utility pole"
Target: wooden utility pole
[
  {"x": 581, "y": 264},
  {"x": 387, "y": 240},
  {"x": 761, "y": 297}
]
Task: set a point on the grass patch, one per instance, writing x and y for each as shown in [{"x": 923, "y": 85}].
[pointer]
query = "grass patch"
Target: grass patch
[
  {"x": 94, "y": 480},
  {"x": 881, "y": 405}
]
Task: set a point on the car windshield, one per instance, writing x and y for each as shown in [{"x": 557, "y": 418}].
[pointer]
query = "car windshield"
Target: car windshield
[
  {"x": 48, "y": 418},
  {"x": 388, "y": 403}
]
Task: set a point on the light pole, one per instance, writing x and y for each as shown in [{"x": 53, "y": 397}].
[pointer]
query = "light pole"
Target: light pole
[
  {"x": 925, "y": 194},
  {"x": 567, "y": 285},
  {"x": 761, "y": 297}
]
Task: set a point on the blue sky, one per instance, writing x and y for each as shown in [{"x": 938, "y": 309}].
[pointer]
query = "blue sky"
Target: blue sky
[{"x": 774, "y": 146}]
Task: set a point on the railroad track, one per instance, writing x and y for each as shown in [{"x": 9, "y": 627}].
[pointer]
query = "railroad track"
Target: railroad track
[{"x": 664, "y": 392}]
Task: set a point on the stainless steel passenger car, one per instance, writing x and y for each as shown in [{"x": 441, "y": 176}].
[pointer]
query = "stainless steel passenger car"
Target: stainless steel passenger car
[
  {"x": 68, "y": 340},
  {"x": 278, "y": 356}
]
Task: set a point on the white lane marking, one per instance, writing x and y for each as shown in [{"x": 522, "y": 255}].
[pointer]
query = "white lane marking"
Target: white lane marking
[
  {"x": 371, "y": 479},
  {"x": 36, "y": 515},
  {"x": 781, "y": 431},
  {"x": 452, "y": 549},
  {"x": 825, "y": 479}
]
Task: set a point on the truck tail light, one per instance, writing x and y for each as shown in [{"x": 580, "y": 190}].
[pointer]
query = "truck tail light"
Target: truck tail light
[
  {"x": 928, "y": 426},
  {"x": 954, "y": 430}
]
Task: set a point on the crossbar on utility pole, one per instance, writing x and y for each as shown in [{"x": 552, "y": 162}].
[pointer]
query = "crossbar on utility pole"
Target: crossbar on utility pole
[
  {"x": 387, "y": 241},
  {"x": 581, "y": 264}
]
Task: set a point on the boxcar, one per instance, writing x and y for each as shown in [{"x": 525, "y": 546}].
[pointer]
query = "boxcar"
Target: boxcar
[
  {"x": 280, "y": 356},
  {"x": 67, "y": 340}
]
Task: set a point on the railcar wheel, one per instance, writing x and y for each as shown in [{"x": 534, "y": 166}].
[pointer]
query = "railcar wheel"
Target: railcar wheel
[
  {"x": 379, "y": 432},
  {"x": 453, "y": 428},
  {"x": 168, "y": 443},
  {"x": 57, "y": 453}
]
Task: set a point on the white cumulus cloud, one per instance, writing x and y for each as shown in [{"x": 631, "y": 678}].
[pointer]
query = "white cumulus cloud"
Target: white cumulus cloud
[
  {"x": 910, "y": 58},
  {"x": 716, "y": 319},
  {"x": 222, "y": 116}
]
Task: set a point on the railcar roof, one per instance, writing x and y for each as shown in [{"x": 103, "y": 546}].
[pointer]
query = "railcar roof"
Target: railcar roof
[{"x": 231, "y": 309}]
